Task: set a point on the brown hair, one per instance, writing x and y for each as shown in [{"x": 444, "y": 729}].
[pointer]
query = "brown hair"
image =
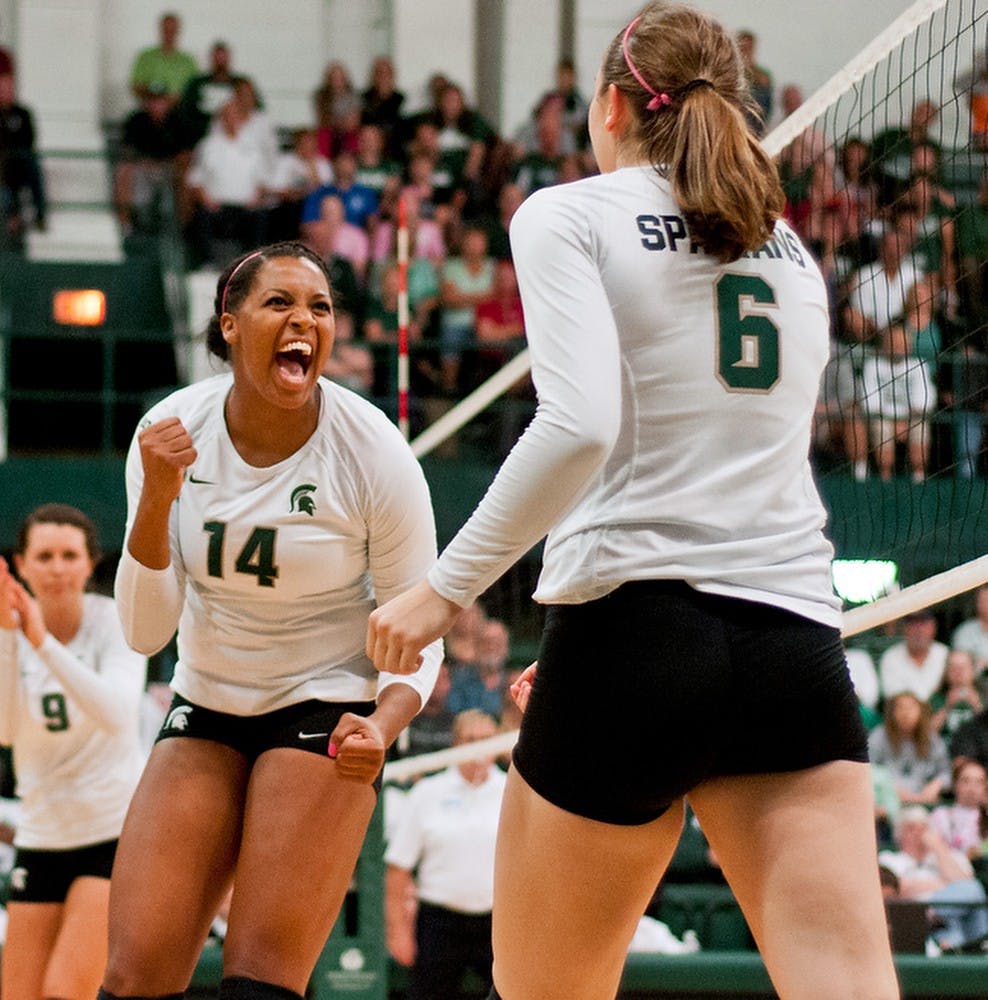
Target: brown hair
[
  {"x": 59, "y": 513},
  {"x": 234, "y": 284},
  {"x": 922, "y": 737},
  {"x": 725, "y": 184},
  {"x": 959, "y": 765}
]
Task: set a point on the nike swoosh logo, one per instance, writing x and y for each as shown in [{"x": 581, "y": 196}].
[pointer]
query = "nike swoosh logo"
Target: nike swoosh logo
[
  {"x": 311, "y": 736},
  {"x": 200, "y": 482}
]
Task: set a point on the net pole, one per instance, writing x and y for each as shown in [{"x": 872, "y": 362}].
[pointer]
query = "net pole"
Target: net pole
[
  {"x": 471, "y": 405},
  {"x": 403, "y": 316},
  {"x": 932, "y": 590}
]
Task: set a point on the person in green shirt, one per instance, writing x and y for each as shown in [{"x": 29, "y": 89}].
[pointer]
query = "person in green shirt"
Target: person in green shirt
[{"x": 163, "y": 68}]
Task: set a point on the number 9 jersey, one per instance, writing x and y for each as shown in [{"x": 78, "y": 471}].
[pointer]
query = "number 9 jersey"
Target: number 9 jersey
[{"x": 281, "y": 566}]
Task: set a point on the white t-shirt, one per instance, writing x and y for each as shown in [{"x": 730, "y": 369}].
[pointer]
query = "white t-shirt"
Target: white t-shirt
[
  {"x": 276, "y": 569},
  {"x": 447, "y": 831},
  {"x": 71, "y": 715},
  {"x": 676, "y": 397},
  {"x": 900, "y": 672}
]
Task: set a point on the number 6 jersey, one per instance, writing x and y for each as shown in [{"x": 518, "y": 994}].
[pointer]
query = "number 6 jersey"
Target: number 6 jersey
[
  {"x": 676, "y": 396},
  {"x": 279, "y": 567}
]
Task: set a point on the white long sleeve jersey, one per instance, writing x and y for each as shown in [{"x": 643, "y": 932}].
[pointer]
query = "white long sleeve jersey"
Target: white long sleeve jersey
[
  {"x": 70, "y": 712},
  {"x": 275, "y": 570},
  {"x": 676, "y": 395}
]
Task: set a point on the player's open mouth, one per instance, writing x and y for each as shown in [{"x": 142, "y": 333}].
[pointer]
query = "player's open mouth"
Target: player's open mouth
[{"x": 293, "y": 360}]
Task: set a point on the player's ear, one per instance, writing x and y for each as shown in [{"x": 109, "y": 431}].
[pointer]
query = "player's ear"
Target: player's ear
[
  {"x": 616, "y": 109},
  {"x": 228, "y": 327}
]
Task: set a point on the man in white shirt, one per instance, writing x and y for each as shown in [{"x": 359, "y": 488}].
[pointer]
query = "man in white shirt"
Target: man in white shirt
[
  {"x": 446, "y": 837},
  {"x": 917, "y": 663}
]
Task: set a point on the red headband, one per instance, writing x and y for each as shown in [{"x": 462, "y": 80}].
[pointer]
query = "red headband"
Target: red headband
[
  {"x": 659, "y": 99},
  {"x": 226, "y": 287}
]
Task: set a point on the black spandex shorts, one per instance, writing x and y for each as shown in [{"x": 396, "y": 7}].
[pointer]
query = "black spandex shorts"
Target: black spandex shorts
[
  {"x": 645, "y": 693},
  {"x": 45, "y": 876},
  {"x": 305, "y": 726}
]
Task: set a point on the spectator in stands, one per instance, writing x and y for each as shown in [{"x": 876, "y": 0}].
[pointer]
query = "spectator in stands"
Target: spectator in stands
[
  {"x": 857, "y": 193},
  {"x": 374, "y": 168},
  {"x": 964, "y": 823},
  {"x": 482, "y": 684},
  {"x": 500, "y": 326},
  {"x": 957, "y": 699},
  {"x": 207, "y": 92},
  {"x": 908, "y": 745},
  {"x": 335, "y": 103},
  {"x": 929, "y": 870},
  {"x": 20, "y": 169},
  {"x": 972, "y": 250},
  {"x": 297, "y": 173},
  {"x": 69, "y": 707},
  {"x": 540, "y": 167},
  {"x": 897, "y": 397},
  {"x": 917, "y": 663},
  {"x": 381, "y": 104},
  {"x": 891, "y": 149},
  {"x": 349, "y": 299},
  {"x": 875, "y": 299},
  {"x": 144, "y": 180},
  {"x": 467, "y": 280},
  {"x": 163, "y": 67},
  {"x": 971, "y": 635},
  {"x": 934, "y": 246},
  {"x": 441, "y": 856},
  {"x": 359, "y": 201},
  {"x": 226, "y": 184},
  {"x": 351, "y": 365},
  {"x": 965, "y": 390},
  {"x": 759, "y": 81},
  {"x": 425, "y": 238},
  {"x": 257, "y": 129},
  {"x": 463, "y": 136},
  {"x": 332, "y": 236}
]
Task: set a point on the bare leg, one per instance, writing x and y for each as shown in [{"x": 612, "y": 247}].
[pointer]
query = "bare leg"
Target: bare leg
[
  {"x": 799, "y": 853},
  {"x": 173, "y": 866},
  {"x": 75, "y": 969},
  {"x": 31, "y": 932},
  {"x": 303, "y": 831},
  {"x": 568, "y": 894}
]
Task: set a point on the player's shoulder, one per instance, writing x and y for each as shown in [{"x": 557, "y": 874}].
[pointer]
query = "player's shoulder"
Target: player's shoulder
[{"x": 192, "y": 403}]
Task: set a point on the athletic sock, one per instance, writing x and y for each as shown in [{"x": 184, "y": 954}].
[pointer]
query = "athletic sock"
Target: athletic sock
[{"x": 245, "y": 988}]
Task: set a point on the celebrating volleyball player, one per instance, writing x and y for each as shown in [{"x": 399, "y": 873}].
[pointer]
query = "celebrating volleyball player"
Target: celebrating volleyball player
[
  {"x": 70, "y": 690},
  {"x": 268, "y": 508},
  {"x": 678, "y": 331}
]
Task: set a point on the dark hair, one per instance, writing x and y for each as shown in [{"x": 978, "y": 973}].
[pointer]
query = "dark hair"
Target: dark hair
[
  {"x": 60, "y": 513},
  {"x": 725, "y": 184},
  {"x": 960, "y": 763},
  {"x": 234, "y": 284}
]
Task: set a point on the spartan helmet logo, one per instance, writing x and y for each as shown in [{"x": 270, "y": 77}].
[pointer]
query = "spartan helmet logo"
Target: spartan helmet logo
[
  {"x": 178, "y": 718},
  {"x": 302, "y": 501}
]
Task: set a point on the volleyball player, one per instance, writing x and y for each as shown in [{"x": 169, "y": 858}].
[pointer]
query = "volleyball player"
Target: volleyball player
[
  {"x": 70, "y": 691},
  {"x": 678, "y": 331},
  {"x": 268, "y": 509}
]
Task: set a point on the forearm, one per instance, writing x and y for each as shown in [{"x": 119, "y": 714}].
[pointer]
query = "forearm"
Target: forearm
[
  {"x": 9, "y": 677},
  {"x": 397, "y": 704}
]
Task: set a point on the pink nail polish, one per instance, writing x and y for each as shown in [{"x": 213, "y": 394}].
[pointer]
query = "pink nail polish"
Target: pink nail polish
[{"x": 332, "y": 750}]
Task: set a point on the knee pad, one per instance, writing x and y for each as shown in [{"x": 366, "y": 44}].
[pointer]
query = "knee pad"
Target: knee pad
[{"x": 245, "y": 988}]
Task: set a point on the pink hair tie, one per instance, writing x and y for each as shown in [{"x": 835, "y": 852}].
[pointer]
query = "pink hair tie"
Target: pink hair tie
[
  {"x": 226, "y": 287},
  {"x": 660, "y": 99}
]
